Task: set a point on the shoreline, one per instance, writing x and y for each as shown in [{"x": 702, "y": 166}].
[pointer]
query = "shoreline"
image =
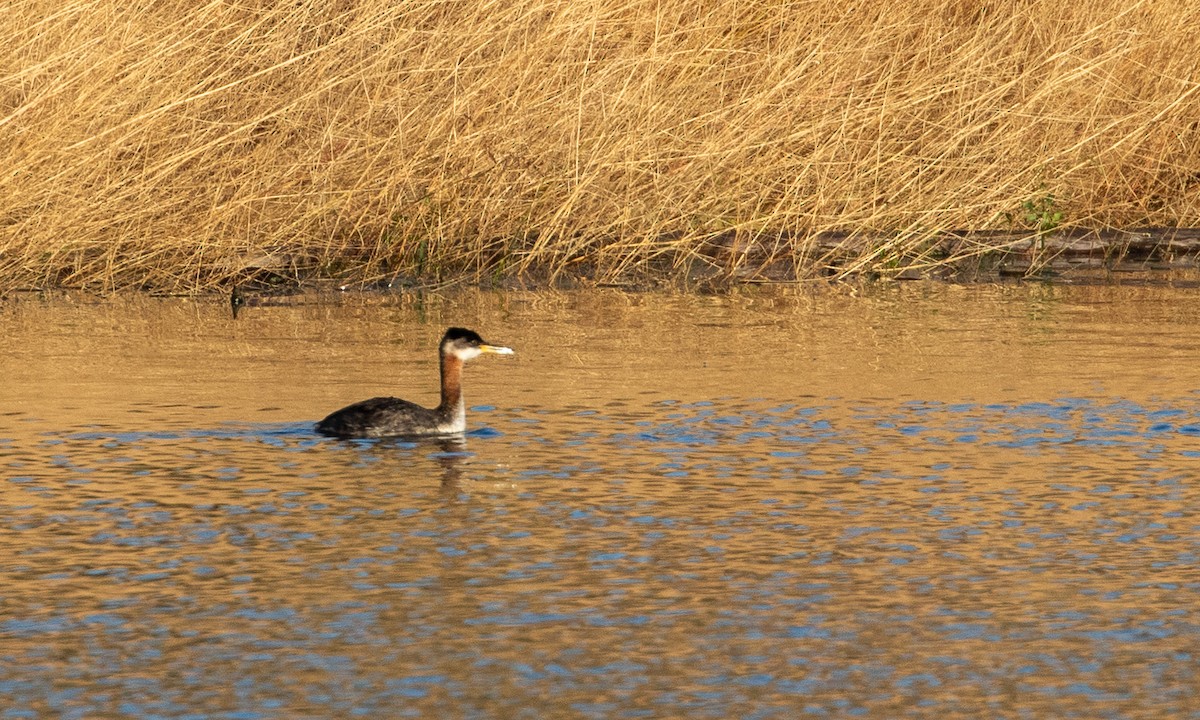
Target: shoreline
[{"x": 728, "y": 260}]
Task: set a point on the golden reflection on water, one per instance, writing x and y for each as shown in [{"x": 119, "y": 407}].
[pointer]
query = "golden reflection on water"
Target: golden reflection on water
[{"x": 969, "y": 501}]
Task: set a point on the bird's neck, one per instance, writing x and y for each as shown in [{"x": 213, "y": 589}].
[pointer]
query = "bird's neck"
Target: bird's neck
[{"x": 452, "y": 399}]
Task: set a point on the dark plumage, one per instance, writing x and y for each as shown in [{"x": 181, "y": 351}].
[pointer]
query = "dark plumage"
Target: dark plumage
[{"x": 393, "y": 417}]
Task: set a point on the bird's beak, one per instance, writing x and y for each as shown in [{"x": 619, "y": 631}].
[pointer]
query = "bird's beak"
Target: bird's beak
[{"x": 497, "y": 349}]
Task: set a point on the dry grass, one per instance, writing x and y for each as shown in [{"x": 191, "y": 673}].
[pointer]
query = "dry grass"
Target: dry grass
[{"x": 175, "y": 145}]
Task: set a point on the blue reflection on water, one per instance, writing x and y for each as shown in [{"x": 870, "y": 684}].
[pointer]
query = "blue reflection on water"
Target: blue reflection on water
[{"x": 724, "y": 558}]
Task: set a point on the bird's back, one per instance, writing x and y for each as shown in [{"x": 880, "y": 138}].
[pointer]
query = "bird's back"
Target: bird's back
[{"x": 381, "y": 417}]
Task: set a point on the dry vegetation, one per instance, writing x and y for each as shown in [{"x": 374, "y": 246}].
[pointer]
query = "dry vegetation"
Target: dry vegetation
[{"x": 177, "y": 145}]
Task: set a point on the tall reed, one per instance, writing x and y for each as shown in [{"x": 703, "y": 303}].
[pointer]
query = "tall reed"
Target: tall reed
[{"x": 176, "y": 144}]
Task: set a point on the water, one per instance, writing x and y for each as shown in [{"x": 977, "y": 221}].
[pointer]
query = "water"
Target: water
[{"x": 930, "y": 501}]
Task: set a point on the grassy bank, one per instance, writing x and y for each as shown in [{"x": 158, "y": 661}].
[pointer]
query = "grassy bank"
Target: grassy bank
[{"x": 178, "y": 145}]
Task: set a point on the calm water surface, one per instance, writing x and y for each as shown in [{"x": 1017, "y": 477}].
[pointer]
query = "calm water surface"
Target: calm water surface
[{"x": 929, "y": 501}]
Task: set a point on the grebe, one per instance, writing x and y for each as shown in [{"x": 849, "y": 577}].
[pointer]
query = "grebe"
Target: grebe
[{"x": 393, "y": 417}]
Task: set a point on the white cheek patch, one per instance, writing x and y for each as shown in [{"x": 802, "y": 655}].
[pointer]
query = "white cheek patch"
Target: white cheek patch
[{"x": 466, "y": 353}]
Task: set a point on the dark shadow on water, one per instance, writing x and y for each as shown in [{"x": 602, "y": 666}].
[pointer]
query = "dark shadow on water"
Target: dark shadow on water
[
  {"x": 451, "y": 453},
  {"x": 266, "y": 432}
]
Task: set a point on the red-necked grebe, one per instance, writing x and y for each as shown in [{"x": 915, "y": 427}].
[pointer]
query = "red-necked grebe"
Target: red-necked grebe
[{"x": 393, "y": 417}]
